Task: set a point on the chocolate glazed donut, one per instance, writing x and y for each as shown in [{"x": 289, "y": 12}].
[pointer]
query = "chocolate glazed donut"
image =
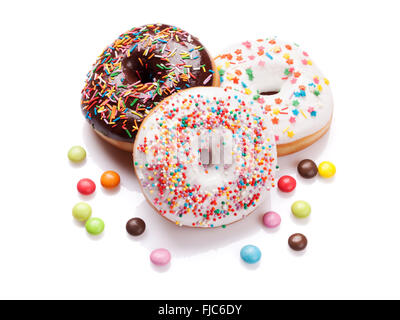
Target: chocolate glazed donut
[{"x": 132, "y": 75}]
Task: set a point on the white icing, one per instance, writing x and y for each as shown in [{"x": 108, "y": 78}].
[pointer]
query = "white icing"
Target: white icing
[
  {"x": 172, "y": 148},
  {"x": 268, "y": 61}
]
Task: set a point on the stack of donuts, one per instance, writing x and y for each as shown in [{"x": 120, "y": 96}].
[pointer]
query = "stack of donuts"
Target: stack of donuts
[{"x": 205, "y": 133}]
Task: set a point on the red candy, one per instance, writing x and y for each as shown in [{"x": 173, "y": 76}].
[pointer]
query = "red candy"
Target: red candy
[
  {"x": 86, "y": 186},
  {"x": 286, "y": 184}
]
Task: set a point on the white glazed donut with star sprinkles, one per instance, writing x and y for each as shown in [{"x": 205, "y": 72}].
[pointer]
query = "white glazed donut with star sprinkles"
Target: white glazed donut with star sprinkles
[
  {"x": 205, "y": 157},
  {"x": 284, "y": 82}
]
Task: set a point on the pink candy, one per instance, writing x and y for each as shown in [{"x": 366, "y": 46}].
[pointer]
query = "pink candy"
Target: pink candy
[
  {"x": 271, "y": 219},
  {"x": 160, "y": 257}
]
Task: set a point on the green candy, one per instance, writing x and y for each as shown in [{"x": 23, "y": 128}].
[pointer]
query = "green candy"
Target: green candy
[
  {"x": 301, "y": 209},
  {"x": 76, "y": 154},
  {"x": 94, "y": 226},
  {"x": 81, "y": 211}
]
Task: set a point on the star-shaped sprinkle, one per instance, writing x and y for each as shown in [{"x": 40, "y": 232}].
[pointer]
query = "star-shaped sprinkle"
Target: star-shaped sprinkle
[
  {"x": 290, "y": 134},
  {"x": 275, "y": 120},
  {"x": 292, "y": 120},
  {"x": 276, "y": 111},
  {"x": 250, "y": 74},
  {"x": 247, "y": 44}
]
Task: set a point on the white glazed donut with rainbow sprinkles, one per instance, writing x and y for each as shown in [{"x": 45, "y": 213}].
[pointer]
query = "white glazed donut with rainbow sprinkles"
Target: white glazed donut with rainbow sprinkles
[
  {"x": 205, "y": 157},
  {"x": 286, "y": 84}
]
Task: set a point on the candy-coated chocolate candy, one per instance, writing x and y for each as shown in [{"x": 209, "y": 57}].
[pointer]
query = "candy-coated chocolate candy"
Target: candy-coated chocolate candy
[
  {"x": 307, "y": 168},
  {"x": 76, "y": 154},
  {"x": 250, "y": 254},
  {"x": 297, "y": 242},
  {"x": 160, "y": 257},
  {"x": 82, "y": 211},
  {"x": 94, "y": 226},
  {"x": 271, "y": 219},
  {"x": 110, "y": 179},
  {"x": 326, "y": 169},
  {"x": 135, "y": 226},
  {"x": 301, "y": 209},
  {"x": 86, "y": 186},
  {"x": 287, "y": 184}
]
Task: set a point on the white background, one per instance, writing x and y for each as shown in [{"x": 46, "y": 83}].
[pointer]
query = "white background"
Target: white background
[{"x": 46, "y": 50}]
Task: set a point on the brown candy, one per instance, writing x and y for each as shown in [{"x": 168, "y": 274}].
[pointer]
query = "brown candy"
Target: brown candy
[
  {"x": 135, "y": 226},
  {"x": 307, "y": 168},
  {"x": 297, "y": 242}
]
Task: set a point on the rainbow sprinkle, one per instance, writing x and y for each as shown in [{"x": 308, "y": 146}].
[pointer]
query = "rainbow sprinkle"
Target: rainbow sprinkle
[
  {"x": 179, "y": 183},
  {"x": 136, "y": 72}
]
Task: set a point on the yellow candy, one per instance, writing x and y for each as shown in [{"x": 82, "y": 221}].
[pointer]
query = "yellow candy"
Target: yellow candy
[{"x": 326, "y": 169}]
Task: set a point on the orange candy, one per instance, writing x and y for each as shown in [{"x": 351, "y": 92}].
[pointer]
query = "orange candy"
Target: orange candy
[{"x": 110, "y": 179}]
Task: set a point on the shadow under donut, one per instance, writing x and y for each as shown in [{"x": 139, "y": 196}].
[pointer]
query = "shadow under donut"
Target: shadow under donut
[
  {"x": 108, "y": 157},
  {"x": 186, "y": 241}
]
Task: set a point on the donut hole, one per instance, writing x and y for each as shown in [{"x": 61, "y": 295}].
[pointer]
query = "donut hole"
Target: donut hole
[
  {"x": 215, "y": 153},
  {"x": 136, "y": 72},
  {"x": 269, "y": 93},
  {"x": 269, "y": 79}
]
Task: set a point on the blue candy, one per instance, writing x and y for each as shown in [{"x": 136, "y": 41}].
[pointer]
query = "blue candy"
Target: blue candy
[{"x": 250, "y": 254}]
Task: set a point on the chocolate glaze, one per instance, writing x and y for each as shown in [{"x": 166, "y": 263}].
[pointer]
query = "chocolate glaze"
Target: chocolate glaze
[{"x": 141, "y": 68}]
